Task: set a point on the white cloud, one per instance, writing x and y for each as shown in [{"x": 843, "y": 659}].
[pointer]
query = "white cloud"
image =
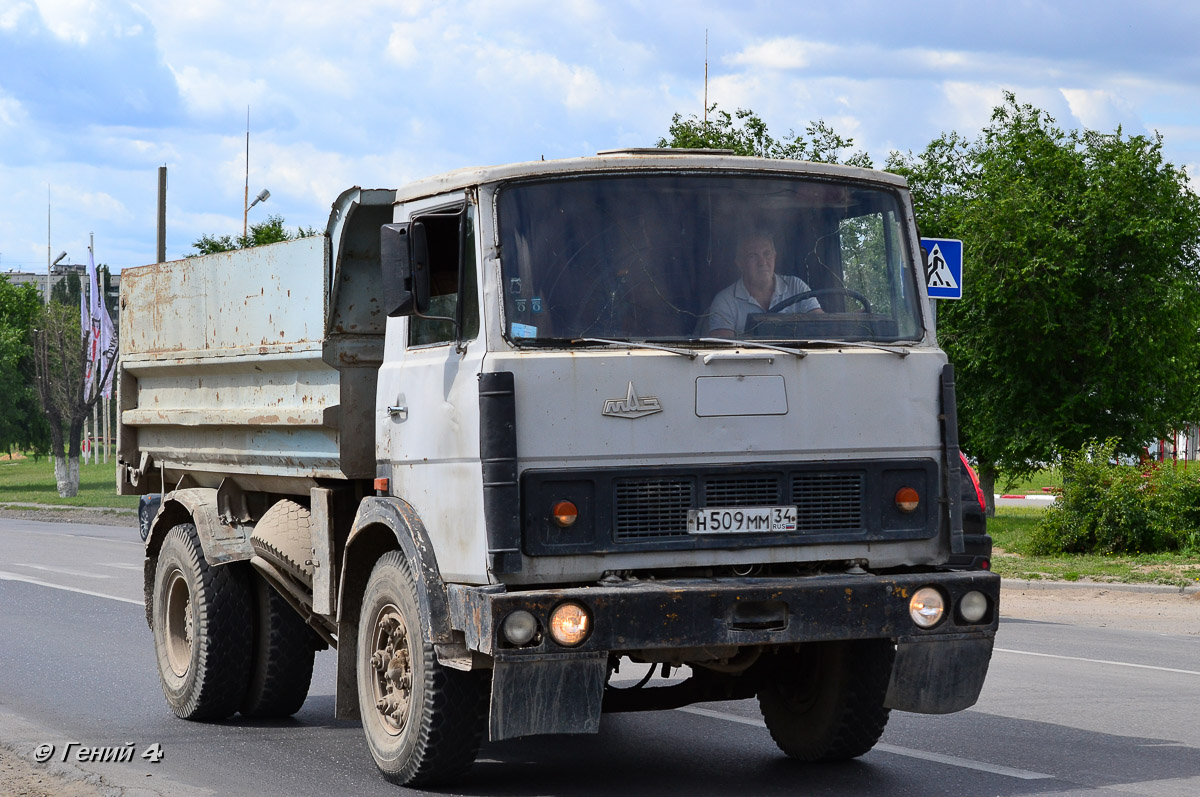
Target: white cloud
[
  {"x": 968, "y": 105},
  {"x": 11, "y": 112},
  {"x": 213, "y": 92},
  {"x": 402, "y": 44},
  {"x": 1098, "y": 109},
  {"x": 99, "y": 205},
  {"x": 782, "y": 54},
  {"x": 79, "y": 21},
  {"x": 11, "y": 13}
]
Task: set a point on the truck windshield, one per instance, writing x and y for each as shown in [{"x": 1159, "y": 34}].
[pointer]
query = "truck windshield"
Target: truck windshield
[{"x": 684, "y": 256}]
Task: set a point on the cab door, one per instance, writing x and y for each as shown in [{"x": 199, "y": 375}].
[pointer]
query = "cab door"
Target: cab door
[{"x": 428, "y": 397}]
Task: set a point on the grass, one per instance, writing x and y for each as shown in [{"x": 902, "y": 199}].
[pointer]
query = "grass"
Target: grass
[
  {"x": 1033, "y": 484},
  {"x": 25, "y": 480},
  {"x": 1011, "y": 527}
]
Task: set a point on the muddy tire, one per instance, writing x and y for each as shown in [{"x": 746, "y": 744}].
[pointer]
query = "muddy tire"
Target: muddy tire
[
  {"x": 423, "y": 722},
  {"x": 282, "y": 661},
  {"x": 201, "y": 621},
  {"x": 825, "y": 702}
]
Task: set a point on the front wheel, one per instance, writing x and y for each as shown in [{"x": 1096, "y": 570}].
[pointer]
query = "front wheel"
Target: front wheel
[
  {"x": 201, "y": 620},
  {"x": 825, "y": 701},
  {"x": 423, "y": 722}
]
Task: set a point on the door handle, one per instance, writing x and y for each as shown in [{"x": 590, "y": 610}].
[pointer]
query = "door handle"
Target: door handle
[{"x": 399, "y": 411}]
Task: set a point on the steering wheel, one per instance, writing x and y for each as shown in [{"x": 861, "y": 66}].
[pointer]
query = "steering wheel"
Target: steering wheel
[{"x": 799, "y": 297}]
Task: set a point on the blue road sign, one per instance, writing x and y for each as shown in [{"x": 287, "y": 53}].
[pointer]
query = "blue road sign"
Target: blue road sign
[{"x": 943, "y": 267}]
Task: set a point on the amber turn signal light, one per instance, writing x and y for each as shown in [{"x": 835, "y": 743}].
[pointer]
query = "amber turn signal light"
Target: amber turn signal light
[
  {"x": 564, "y": 513},
  {"x": 907, "y": 499}
]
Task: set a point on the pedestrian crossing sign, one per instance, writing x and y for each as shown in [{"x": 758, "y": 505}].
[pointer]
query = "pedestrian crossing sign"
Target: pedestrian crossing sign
[{"x": 943, "y": 267}]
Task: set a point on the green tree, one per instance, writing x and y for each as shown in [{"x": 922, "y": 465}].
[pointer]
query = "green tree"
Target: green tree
[
  {"x": 21, "y": 424},
  {"x": 269, "y": 231},
  {"x": 59, "y": 360},
  {"x": 746, "y": 134},
  {"x": 1081, "y": 304},
  {"x": 66, "y": 290}
]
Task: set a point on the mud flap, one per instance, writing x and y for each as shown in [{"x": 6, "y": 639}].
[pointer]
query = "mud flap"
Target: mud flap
[
  {"x": 938, "y": 676},
  {"x": 559, "y": 693}
]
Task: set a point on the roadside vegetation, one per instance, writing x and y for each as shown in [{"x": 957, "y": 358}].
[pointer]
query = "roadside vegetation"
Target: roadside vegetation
[
  {"x": 1039, "y": 482},
  {"x": 1111, "y": 523},
  {"x": 26, "y": 480},
  {"x": 1014, "y": 529}
]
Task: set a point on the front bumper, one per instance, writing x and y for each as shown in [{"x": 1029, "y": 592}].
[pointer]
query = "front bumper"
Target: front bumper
[
  {"x": 694, "y": 613},
  {"x": 543, "y": 687}
]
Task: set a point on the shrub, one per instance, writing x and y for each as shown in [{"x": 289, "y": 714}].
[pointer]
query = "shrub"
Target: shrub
[{"x": 1106, "y": 507}]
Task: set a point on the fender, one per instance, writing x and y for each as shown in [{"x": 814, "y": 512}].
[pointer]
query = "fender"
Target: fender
[
  {"x": 413, "y": 539},
  {"x": 383, "y": 524},
  {"x": 220, "y": 543}
]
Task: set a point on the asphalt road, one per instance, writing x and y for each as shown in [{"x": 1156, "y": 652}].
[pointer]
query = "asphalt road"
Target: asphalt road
[{"x": 1067, "y": 710}]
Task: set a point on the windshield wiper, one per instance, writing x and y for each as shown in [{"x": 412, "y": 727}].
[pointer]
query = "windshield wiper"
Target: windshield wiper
[
  {"x": 691, "y": 355},
  {"x": 901, "y": 353},
  {"x": 754, "y": 344}
]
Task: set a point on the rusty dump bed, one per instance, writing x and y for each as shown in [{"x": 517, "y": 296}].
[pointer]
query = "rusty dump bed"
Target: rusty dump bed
[{"x": 257, "y": 364}]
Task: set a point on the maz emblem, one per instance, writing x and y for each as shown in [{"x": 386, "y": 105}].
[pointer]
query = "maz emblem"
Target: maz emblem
[{"x": 632, "y": 406}]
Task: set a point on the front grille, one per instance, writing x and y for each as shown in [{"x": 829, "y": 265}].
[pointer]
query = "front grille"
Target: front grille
[
  {"x": 828, "y": 501},
  {"x": 658, "y": 507},
  {"x": 753, "y": 490},
  {"x": 652, "y": 507}
]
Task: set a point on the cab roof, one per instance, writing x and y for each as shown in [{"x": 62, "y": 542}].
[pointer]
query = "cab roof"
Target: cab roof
[{"x": 626, "y": 160}]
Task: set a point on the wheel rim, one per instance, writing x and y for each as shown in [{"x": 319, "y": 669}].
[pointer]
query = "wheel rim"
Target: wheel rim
[
  {"x": 391, "y": 664},
  {"x": 179, "y": 623}
]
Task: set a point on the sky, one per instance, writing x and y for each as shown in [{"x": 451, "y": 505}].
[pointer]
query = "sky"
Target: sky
[{"x": 96, "y": 95}]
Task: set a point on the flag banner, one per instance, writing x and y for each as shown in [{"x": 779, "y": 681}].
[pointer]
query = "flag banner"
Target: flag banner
[
  {"x": 101, "y": 341},
  {"x": 92, "y": 334}
]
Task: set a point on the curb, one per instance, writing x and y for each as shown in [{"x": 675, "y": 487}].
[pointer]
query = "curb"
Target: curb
[
  {"x": 1033, "y": 499},
  {"x": 116, "y": 510},
  {"x": 1161, "y": 589}
]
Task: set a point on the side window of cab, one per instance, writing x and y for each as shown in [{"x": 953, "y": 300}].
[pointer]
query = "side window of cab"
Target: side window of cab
[{"x": 454, "y": 299}]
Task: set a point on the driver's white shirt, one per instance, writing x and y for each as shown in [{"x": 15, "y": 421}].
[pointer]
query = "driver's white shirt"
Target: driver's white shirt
[{"x": 733, "y": 305}]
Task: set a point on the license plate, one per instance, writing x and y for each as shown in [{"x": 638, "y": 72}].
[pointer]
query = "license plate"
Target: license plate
[{"x": 742, "y": 520}]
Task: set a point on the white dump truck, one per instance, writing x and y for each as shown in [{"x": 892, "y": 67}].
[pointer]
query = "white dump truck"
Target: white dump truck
[{"x": 501, "y": 432}]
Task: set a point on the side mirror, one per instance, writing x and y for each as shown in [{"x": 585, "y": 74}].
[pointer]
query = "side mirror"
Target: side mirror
[
  {"x": 419, "y": 254},
  {"x": 404, "y": 263}
]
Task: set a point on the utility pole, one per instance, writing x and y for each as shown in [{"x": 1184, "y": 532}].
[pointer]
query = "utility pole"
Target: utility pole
[{"x": 161, "y": 247}]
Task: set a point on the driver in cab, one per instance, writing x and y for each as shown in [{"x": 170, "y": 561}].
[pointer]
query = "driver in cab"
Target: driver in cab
[{"x": 757, "y": 289}]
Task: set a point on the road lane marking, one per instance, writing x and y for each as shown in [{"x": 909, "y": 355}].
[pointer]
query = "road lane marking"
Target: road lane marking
[
  {"x": 954, "y": 761},
  {"x": 138, "y": 543},
  {"x": 1097, "y": 661},
  {"x": 66, "y": 571},
  {"x": 122, "y": 566},
  {"x": 6, "y": 576}
]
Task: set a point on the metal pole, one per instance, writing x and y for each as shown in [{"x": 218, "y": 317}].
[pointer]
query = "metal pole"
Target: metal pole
[
  {"x": 246, "y": 194},
  {"x": 107, "y": 428},
  {"x": 47, "y": 243},
  {"x": 161, "y": 249}
]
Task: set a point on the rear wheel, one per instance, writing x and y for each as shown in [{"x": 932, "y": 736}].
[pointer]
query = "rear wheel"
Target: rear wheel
[
  {"x": 282, "y": 664},
  {"x": 825, "y": 702},
  {"x": 201, "y": 620},
  {"x": 423, "y": 722}
]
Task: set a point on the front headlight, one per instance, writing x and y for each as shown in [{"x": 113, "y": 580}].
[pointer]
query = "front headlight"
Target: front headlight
[
  {"x": 570, "y": 624},
  {"x": 927, "y": 607},
  {"x": 973, "y": 606}
]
